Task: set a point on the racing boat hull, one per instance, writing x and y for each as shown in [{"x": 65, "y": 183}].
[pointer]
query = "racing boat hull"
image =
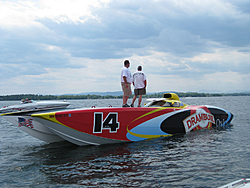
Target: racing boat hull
[
  {"x": 95, "y": 126},
  {"x": 34, "y": 106},
  {"x": 20, "y": 116},
  {"x": 26, "y": 123},
  {"x": 114, "y": 125},
  {"x": 244, "y": 182}
]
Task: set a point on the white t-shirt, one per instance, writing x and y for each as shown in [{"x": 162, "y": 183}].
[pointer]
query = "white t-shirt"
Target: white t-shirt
[
  {"x": 125, "y": 72},
  {"x": 138, "y": 78}
]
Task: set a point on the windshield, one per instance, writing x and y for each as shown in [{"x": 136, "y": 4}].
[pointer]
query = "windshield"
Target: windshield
[{"x": 165, "y": 104}]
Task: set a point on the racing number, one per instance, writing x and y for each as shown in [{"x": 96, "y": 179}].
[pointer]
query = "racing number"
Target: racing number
[{"x": 110, "y": 122}]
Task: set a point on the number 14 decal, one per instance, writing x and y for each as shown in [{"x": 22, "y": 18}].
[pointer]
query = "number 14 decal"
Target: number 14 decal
[{"x": 110, "y": 122}]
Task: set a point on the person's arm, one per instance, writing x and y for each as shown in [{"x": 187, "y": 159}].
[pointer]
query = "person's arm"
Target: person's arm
[
  {"x": 125, "y": 80},
  {"x": 145, "y": 83}
]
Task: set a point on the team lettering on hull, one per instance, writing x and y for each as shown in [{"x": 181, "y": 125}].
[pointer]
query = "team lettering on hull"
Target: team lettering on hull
[{"x": 200, "y": 118}]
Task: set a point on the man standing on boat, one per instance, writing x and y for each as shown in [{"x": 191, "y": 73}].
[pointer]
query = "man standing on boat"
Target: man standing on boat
[
  {"x": 126, "y": 80},
  {"x": 140, "y": 83}
]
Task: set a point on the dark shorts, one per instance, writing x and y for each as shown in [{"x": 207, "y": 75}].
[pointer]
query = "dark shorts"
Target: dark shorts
[{"x": 140, "y": 91}]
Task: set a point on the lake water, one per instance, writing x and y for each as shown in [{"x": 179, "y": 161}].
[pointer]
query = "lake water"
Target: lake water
[{"x": 204, "y": 158}]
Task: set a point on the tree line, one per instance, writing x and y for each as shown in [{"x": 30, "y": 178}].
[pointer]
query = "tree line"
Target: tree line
[{"x": 71, "y": 97}]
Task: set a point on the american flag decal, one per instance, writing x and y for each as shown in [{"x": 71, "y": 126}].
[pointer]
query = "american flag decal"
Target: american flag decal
[{"x": 25, "y": 122}]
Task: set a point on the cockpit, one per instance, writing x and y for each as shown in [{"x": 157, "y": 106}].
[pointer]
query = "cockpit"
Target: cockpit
[{"x": 164, "y": 103}]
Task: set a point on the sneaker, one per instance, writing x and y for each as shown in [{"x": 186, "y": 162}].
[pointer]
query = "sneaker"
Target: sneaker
[
  {"x": 125, "y": 105},
  {"x": 131, "y": 105}
]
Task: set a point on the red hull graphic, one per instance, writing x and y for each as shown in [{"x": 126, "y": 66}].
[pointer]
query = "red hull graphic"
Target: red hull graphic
[{"x": 111, "y": 125}]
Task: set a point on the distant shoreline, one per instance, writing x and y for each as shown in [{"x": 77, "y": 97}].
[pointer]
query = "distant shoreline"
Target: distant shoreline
[{"x": 93, "y": 96}]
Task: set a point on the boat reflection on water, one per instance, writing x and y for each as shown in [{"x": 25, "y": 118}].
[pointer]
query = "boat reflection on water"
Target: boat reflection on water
[{"x": 64, "y": 163}]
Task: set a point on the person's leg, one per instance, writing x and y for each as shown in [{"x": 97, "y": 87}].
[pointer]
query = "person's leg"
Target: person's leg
[
  {"x": 126, "y": 93},
  {"x": 139, "y": 100},
  {"x": 134, "y": 98},
  {"x": 125, "y": 99}
]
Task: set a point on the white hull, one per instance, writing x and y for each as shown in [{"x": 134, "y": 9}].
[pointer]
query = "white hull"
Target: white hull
[
  {"x": 243, "y": 183},
  {"x": 20, "y": 116},
  {"x": 34, "y": 128},
  {"x": 41, "y": 105}
]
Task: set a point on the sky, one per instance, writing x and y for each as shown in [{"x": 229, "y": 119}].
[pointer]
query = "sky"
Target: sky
[{"x": 73, "y": 46}]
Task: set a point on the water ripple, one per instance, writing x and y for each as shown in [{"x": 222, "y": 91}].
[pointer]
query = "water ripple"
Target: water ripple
[{"x": 204, "y": 158}]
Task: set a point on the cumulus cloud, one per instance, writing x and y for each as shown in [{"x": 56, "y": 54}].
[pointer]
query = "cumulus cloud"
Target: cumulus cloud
[{"x": 49, "y": 42}]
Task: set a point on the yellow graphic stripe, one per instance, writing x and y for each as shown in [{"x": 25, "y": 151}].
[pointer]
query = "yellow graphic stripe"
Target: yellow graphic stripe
[
  {"x": 48, "y": 116},
  {"x": 146, "y": 135},
  {"x": 151, "y": 112},
  {"x": 209, "y": 125}
]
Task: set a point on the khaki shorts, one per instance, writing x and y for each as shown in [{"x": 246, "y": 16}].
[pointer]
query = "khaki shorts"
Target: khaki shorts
[
  {"x": 141, "y": 91},
  {"x": 126, "y": 91}
]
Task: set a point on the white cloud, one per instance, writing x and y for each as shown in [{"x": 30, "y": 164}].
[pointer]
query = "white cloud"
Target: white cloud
[
  {"x": 23, "y": 13},
  {"x": 181, "y": 44}
]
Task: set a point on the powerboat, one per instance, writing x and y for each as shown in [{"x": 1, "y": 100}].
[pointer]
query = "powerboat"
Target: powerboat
[
  {"x": 20, "y": 116},
  {"x": 244, "y": 183},
  {"x": 32, "y": 106},
  {"x": 163, "y": 117}
]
